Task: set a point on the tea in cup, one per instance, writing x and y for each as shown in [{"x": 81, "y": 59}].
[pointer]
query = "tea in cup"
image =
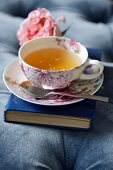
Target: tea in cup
[{"x": 53, "y": 62}]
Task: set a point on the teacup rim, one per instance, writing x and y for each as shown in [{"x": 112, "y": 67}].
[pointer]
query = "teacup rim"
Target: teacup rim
[{"x": 50, "y": 37}]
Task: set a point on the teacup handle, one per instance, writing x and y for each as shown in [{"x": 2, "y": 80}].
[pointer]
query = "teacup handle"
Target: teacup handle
[{"x": 93, "y": 69}]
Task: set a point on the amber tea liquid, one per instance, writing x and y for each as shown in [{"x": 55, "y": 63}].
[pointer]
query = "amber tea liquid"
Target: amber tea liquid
[{"x": 52, "y": 59}]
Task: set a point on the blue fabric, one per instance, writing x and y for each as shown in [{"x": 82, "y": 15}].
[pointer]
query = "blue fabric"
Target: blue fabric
[{"x": 30, "y": 148}]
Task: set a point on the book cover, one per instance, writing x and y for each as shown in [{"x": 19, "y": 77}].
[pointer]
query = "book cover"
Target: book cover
[{"x": 78, "y": 115}]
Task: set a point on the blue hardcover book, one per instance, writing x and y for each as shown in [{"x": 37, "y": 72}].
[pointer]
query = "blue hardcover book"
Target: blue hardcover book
[{"x": 78, "y": 115}]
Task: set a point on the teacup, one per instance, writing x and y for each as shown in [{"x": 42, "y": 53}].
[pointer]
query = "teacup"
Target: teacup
[{"x": 71, "y": 67}]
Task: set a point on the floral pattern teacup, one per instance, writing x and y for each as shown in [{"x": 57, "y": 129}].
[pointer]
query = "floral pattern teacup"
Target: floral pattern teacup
[{"x": 56, "y": 79}]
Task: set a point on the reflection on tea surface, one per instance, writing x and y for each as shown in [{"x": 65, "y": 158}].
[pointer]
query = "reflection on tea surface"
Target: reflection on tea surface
[{"x": 52, "y": 59}]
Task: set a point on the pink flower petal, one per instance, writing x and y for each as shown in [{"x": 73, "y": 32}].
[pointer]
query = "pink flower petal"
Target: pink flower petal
[{"x": 39, "y": 23}]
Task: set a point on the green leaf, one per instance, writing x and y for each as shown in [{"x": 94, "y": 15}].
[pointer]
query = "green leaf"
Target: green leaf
[{"x": 64, "y": 32}]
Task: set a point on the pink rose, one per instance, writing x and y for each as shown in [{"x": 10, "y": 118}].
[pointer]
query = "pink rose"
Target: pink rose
[{"x": 39, "y": 23}]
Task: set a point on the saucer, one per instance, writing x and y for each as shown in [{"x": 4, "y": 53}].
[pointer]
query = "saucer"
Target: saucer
[{"x": 13, "y": 76}]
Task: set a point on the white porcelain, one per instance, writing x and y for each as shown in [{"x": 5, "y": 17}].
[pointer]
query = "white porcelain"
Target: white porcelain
[
  {"x": 52, "y": 79},
  {"x": 13, "y": 76}
]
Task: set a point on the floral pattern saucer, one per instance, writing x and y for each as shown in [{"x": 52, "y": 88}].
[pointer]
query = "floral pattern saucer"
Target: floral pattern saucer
[{"x": 13, "y": 76}]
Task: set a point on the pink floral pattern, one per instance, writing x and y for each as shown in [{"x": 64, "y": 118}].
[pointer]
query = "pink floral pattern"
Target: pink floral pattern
[
  {"x": 76, "y": 87},
  {"x": 75, "y": 45},
  {"x": 68, "y": 44},
  {"x": 39, "y": 23},
  {"x": 49, "y": 79}
]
